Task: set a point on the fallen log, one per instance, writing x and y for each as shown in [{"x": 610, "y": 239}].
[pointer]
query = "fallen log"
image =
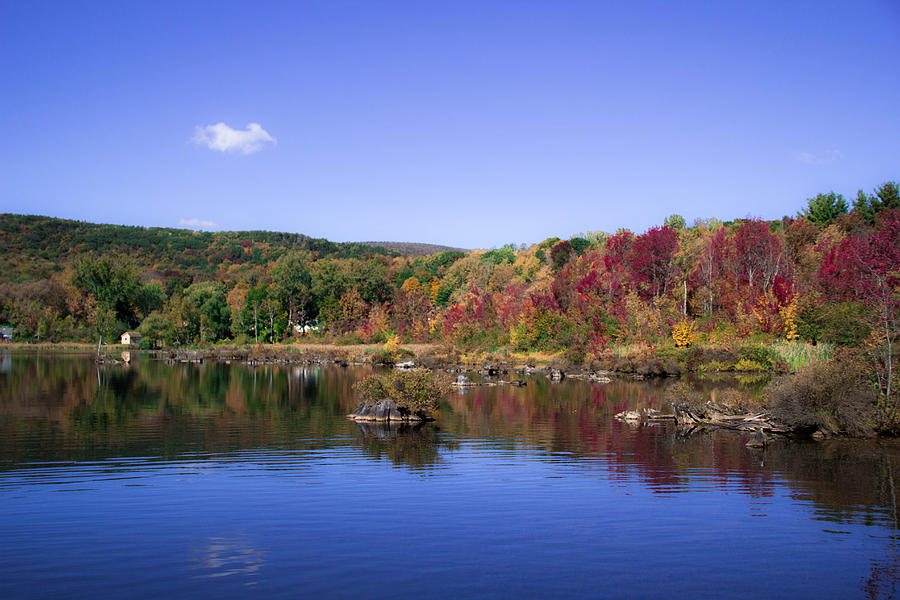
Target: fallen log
[
  {"x": 711, "y": 416},
  {"x": 645, "y": 414}
]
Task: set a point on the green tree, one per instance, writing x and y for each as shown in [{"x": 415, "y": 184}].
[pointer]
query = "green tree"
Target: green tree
[
  {"x": 370, "y": 277},
  {"x": 676, "y": 222},
  {"x": 206, "y": 311},
  {"x": 825, "y": 208},
  {"x": 579, "y": 245},
  {"x": 157, "y": 330},
  {"x": 886, "y": 197},
  {"x": 113, "y": 283},
  {"x": 291, "y": 286},
  {"x": 329, "y": 281},
  {"x": 499, "y": 256},
  {"x": 254, "y": 311}
]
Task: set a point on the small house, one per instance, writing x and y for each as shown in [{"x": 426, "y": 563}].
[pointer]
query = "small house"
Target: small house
[
  {"x": 131, "y": 338},
  {"x": 6, "y": 333}
]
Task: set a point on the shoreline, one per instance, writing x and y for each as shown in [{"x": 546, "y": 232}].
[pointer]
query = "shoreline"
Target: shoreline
[
  {"x": 649, "y": 361},
  {"x": 652, "y": 363}
]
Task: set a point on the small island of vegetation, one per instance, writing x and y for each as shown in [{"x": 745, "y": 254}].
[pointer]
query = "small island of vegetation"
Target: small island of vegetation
[{"x": 401, "y": 395}]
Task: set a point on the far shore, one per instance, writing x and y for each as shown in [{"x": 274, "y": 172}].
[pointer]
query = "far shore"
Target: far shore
[{"x": 642, "y": 361}]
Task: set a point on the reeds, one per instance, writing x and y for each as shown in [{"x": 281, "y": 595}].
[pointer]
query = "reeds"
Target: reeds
[{"x": 800, "y": 355}]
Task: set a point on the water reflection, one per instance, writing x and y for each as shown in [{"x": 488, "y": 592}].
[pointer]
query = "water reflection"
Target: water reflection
[
  {"x": 264, "y": 437},
  {"x": 55, "y": 409},
  {"x": 412, "y": 445}
]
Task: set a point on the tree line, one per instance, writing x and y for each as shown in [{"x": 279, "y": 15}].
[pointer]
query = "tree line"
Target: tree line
[{"x": 827, "y": 274}]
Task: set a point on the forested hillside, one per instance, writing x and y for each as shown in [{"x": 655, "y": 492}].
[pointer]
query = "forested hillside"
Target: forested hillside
[
  {"x": 829, "y": 275},
  {"x": 33, "y": 246},
  {"x": 413, "y": 248}
]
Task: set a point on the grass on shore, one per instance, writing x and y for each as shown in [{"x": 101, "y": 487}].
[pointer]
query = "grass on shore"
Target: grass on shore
[{"x": 800, "y": 355}]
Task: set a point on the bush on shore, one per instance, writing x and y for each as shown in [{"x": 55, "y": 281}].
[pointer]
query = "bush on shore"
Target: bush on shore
[{"x": 833, "y": 397}]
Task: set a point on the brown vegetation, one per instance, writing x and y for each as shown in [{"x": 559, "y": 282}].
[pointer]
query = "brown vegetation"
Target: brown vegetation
[
  {"x": 837, "y": 397},
  {"x": 414, "y": 391}
]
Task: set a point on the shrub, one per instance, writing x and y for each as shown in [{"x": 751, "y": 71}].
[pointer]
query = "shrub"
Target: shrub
[
  {"x": 682, "y": 393},
  {"x": 750, "y": 365},
  {"x": 683, "y": 333},
  {"x": 835, "y": 397},
  {"x": 758, "y": 354},
  {"x": 412, "y": 391},
  {"x": 574, "y": 355},
  {"x": 351, "y": 339},
  {"x": 842, "y": 323},
  {"x": 714, "y": 366},
  {"x": 392, "y": 344},
  {"x": 735, "y": 401}
]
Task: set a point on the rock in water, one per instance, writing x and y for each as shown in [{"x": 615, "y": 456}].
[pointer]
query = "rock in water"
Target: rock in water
[
  {"x": 556, "y": 375},
  {"x": 462, "y": 381},
  {"x": 382, "y": 410},
  {"x": 758, "y": 439}
]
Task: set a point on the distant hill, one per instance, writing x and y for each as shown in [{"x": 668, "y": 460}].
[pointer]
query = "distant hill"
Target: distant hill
[
  {"x": 33, "y": 246},
  {"x": 413, "y": 248}
]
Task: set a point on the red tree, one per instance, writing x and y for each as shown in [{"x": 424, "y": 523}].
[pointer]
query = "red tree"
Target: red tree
[
  {"x": 758, "y": 254},
  {"x": 868, "y": 269},
  {"x": 651, "y": 260}
]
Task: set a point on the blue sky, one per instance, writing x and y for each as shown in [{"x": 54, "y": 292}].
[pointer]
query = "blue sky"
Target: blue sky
[{"x": 472, "y": 124}]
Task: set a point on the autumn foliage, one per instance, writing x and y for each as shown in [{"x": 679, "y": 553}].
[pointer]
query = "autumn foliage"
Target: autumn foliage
[{"x": 830, "y": 274}]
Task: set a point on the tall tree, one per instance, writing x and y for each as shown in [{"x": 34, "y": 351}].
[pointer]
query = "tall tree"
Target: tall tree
[
  {"x": 868, "y": 269},
  {"x": 886, "y": 197},
  {"x": 825, "y": 208},
  {"x": 758, "y": 254},
  {"x": 291, "y": 286},
  {"x": 651, "y": 260},
  {"x": 206, "y": 309},
  {"x": 113, "y": 283}
]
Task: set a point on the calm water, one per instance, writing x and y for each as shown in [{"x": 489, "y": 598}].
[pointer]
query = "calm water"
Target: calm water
[{"x": 234, "y": 481}]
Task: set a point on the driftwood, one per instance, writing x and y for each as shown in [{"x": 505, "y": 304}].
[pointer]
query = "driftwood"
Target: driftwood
[
  {"x": 645, "y": 414},
  {"x": 692, "y": 418},
  {"x": 464, "y": 382},
  {"x": 702, "y": 417}
]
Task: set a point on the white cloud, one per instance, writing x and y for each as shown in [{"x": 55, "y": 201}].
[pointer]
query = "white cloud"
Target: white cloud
[
  {"x": 223, "y": 138},
  {"x": 196, "y": 223},
  {"x": 814, "y": 159}
]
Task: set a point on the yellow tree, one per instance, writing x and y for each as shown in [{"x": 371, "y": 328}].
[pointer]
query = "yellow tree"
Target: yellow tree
[
  {"x": 435, "y": 287},
  {"x": 412, "y": 284}
]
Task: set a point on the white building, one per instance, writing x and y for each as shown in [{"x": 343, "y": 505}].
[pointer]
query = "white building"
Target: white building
[{"x": 131, "y": 338}]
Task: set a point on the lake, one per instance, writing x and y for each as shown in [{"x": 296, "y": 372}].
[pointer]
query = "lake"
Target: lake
[{"x": 158, "y": 480}]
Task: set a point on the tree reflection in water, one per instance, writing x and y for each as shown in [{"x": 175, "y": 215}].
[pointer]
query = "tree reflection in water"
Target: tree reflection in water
[
  {"x": 57, "y": 408},
  {"x": 411, "y": 445}
]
